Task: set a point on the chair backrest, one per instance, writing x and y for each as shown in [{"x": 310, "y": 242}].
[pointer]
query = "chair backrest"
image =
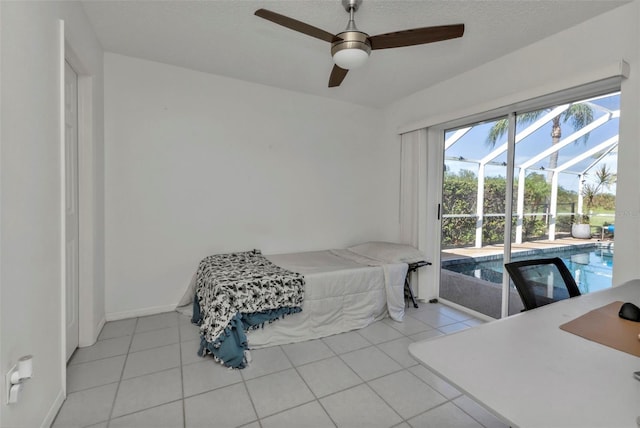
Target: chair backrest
[{"x": 542, "y": 281}]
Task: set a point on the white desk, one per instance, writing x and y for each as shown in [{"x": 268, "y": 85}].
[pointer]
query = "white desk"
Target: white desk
[{"x": 530, "y": 373}]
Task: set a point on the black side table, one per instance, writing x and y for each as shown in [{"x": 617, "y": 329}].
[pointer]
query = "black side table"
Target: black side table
[{"x": 408, "y": 292}]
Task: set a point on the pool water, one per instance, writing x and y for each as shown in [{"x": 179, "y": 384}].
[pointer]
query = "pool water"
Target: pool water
[{"x": 591, "y": 265}]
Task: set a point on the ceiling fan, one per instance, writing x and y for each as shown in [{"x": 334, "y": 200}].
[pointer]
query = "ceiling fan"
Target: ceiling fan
[{"x": 351, "y": 48}]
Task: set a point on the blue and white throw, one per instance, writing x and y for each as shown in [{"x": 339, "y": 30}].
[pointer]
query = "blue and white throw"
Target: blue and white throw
[{"x": 239, "y": 291}]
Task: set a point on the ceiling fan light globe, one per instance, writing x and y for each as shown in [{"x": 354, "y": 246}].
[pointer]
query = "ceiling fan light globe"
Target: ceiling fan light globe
[{"x": 350, "y": 58}]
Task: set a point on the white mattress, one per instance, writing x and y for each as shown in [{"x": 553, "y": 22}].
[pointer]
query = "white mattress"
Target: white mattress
[{"x": 343, "y": 292}]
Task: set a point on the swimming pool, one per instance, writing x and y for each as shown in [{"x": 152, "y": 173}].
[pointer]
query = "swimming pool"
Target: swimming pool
[{"x": 590, "y": 264}]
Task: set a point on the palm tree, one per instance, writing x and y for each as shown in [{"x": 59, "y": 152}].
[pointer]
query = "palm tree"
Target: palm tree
[
  {"x": 578, "y": 114},
  {"x": 603, "y": 179}
]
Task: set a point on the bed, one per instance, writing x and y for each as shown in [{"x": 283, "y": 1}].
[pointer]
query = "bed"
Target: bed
[{"x": 321, "y": 293}]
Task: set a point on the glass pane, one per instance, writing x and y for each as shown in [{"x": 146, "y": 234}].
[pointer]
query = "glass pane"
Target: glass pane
[
  {"x": 564, "y": 187},
  {"x": 473, "y": 216},
  {"x": 563, "y": 199}
]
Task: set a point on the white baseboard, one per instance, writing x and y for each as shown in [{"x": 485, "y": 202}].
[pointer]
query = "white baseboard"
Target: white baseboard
[
  {"x": 139, "y": 312},
  {"x": 90, "y": 337},
  {"x": 98, "y": 329},
  {"x": 53, "y": 411},
  {"x": 101, "y": 324}
]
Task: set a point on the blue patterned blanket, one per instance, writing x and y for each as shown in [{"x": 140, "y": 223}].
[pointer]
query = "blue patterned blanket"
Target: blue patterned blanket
[{"x": 239, "y": 291}]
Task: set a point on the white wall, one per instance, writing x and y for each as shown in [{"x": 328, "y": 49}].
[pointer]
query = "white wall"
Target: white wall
[
  {"x": 574, "y": 56},
  {"x": 198, "y": 164},
  {"x": 30, "y": 197}
]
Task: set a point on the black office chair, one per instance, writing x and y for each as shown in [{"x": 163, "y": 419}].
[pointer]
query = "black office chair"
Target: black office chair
[{"x": 542, "y": 281}]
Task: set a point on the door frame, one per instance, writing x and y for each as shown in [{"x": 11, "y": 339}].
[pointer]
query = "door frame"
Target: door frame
[
  {"x": 88, "y": 328},
  {"x": 74, "y": 187},
  {"x": 430, "y": 285}
]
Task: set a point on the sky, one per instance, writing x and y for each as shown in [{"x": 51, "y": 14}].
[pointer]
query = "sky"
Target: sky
[{"x": 473, "y": 147}]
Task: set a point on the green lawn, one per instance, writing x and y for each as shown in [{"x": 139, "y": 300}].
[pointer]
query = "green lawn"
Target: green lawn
[{"x": 600, "y": 217}]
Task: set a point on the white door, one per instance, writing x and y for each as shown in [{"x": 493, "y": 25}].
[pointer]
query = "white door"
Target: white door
[{"x": 71, "y": 206}]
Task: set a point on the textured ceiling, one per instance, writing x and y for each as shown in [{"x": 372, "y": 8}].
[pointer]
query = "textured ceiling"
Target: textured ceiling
[{"x": 223, "y": 37}]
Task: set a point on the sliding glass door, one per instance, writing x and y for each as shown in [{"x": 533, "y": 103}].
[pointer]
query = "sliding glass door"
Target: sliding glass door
[
  {"x": 473, "y": 216},
  {"x": 540, "y": 183}
]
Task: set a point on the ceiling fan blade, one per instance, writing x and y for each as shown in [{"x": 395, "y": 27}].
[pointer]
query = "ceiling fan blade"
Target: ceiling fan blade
[
  {"x": 417, "y": 36},
  {"x": 337, "y": 76},
  {"x": 296, "y": 25}
]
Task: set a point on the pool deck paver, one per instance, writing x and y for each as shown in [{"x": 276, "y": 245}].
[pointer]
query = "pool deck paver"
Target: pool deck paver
[{"x": 489, "y": 250}]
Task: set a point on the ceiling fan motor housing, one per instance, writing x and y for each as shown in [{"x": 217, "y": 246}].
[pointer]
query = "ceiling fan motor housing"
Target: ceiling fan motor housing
[{"x": 351, "y": 40}]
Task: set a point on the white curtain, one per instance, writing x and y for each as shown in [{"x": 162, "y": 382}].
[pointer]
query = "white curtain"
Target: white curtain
[{"x": 413, "y": 182}]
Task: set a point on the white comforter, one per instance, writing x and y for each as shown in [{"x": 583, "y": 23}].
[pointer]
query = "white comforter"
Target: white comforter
[{"x": 343, "y": 291}]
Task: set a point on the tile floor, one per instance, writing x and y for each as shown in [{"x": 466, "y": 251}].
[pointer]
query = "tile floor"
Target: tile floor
[{"x": 144, "y": 372}]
